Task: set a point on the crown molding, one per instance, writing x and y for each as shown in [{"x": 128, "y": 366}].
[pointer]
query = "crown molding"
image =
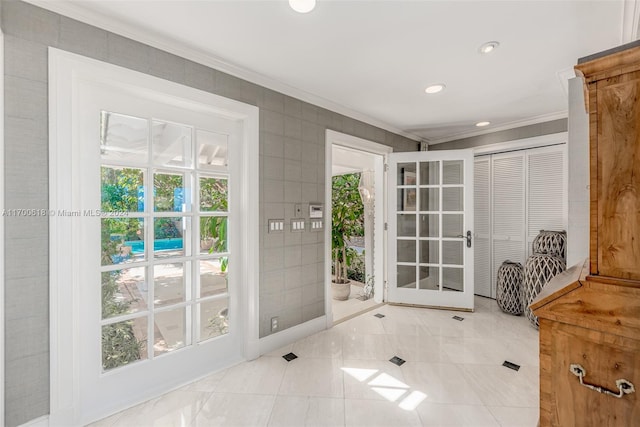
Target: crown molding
[
  {"x": 630, "y": 21},
  {"x": 75, "y": 10},
  {"x": 506, "y": 126}
]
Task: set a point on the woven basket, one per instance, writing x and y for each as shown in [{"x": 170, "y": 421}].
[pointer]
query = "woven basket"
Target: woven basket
[
  {"x": 551, "y": 243},
  {"x": 539, "y": 269},
  {"x": 509, "y": 287}
]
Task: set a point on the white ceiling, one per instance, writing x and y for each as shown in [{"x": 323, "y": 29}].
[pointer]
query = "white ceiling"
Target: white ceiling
[{"x": 373, "y": 59}]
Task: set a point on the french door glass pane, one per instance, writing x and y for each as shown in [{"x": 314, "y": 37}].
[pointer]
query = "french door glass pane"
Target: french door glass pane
[
  {"x": 452, "y": 199},
  {"x": 429, "y": 199},
  {"x": 212, "y": 150},
  {"x": 406, "y": 251},
  {"x": 453, "y": 172},
  {"x": 452, "y": 225},
  {"x": 214, "y": 318},
  {"x": 172, "y": 144},
  {"x": 124, "y": 292},
  {"x": 430, "y": 251},
  {"x": 168, "y": 284},
  {"x": 123, "y": 138},
  {"x": 429, "y": 173},
  {"x": 169, "y": 192},
  {"x": 214, "y": 195},
  {"x": 169, "y": 331},
  {"x": 429, "y": 278},
  {"x": 213, "y": 280},
  {"x": 124, "y": 343},
  {"x": 122, "y": 189},
  {"x": 406, "y": 199},
  {"x": 406, "y": 174},
  {"x": 452, "y": 253},
  {"x": 168, "y": 237},
  {"x": 430, "y": 225},
  {"x": 406, "y": 276},
  {"x": 452, "y": 279},
  {"x": 122, "y": 240},
  {"x": 213, "y": 234},
  {"x": 406, "y": 225}
]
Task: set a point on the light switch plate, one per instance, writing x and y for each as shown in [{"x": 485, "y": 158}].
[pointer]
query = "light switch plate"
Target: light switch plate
[
  {"x": 276, "y": 226},
  {"x": 297, "y": 224}
]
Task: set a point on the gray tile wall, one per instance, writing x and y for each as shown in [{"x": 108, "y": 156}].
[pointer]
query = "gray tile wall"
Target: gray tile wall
[
  {"x": 538, "y": 129},
  {"x": 291, "y": 171}
]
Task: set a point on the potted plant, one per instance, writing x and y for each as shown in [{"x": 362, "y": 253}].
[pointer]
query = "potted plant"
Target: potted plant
[{"x": 346, "y": 221}]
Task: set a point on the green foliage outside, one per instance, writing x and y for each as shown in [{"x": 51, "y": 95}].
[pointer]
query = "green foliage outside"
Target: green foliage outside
[{"x": 347, "y": 221}]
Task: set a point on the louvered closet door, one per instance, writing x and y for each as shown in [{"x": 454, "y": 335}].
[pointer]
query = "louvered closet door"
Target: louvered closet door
[
  {"x": 547, "y": 201},
  {"x": 508, "y": 204},
  {"x": 482, "y": 225}
]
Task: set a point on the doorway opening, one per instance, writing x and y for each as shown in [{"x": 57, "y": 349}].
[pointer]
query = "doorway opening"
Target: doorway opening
[{"x": 355, "y": 234}]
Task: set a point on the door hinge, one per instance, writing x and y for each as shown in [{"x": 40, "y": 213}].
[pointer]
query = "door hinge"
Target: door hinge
[
  {"x": 386, "y": 226},
  {"x": 386, "y": 167}
]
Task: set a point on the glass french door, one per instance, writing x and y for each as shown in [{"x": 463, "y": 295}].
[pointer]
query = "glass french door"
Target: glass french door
[
  {"x": 159, "y": 305},
  {"x": 430, "y": 215}
]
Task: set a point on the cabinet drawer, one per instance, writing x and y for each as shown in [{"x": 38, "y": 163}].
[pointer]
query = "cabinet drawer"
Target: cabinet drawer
[{"x": 605, "y": 359}]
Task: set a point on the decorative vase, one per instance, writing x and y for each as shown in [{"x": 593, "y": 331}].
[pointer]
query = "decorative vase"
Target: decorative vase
[
  {"x": 551, "y": 243},
  {"x": 539, "y": 269},
  {"x": 509, "y": 287}
]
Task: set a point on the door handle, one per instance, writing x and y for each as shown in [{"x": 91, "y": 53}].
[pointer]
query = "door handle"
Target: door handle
[{"x": 468, "y": 237}]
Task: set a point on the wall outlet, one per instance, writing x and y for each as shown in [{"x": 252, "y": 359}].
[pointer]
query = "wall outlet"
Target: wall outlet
[{"x": 274, "y": 324}]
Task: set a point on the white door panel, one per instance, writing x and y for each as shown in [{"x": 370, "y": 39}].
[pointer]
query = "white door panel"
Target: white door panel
[{"x": 430, "y": 213}]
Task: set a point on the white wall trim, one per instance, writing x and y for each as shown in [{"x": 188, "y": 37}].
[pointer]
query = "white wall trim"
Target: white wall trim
[
  {"x": 75, "y": 10},
  {"x": 65, "y": 71},
  {"x": 2, "y": 193},
  {"x": 290, "y": 335},
  {"x": 521, "y": 144},
  {"x": 506, "y": 126},
  {"x": 630, "y": 21},
  {"x": 355, "y": 143}
]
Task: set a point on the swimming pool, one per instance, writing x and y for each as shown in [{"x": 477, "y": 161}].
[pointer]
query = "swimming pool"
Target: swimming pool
[{"x": 137, "y": 246}]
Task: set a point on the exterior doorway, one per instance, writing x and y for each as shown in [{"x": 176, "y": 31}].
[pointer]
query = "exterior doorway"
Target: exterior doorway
[{"x": 357, "y": 170}]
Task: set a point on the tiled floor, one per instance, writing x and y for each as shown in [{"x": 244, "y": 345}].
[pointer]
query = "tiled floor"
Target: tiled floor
[{"x": 453, "y": 376}]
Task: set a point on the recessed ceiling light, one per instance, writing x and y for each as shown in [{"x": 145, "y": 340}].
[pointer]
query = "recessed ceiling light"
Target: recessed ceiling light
[
  {"x": 488, "y": 47},
  {"x": 435, "y": 88},
  {"x": 482, "y": 124},
  {"x": 302, "y": 6}
]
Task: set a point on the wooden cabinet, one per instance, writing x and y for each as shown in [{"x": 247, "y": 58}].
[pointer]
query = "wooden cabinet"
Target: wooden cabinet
[{"x": 590, "y": 315}]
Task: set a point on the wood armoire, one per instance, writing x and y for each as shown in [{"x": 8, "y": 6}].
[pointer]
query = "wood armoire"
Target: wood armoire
[{"x": 590, "y": 315}]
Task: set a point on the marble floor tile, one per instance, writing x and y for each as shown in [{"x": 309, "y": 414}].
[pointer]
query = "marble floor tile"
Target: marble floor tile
[
  {"x": 440, "y": 382},
  {"x": 237, "y": 410},
  {"x": 289, "y": 411},
  {"x": 373, "y": 413},
  {"x": 324, "y": 344},
  {"x": 313, "y": 377},
  {"x": 177, "y": 408},
  {"x": 500, "y": 386},
  {"x": 443, "y": 415},
  {"x": 515, "y": 417},
  {"x": 260, "y": 376},
  {"x": 373, "y": 379}
]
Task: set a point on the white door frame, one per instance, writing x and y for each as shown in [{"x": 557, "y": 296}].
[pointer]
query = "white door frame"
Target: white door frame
[
  {"x": 66, "y": 70},
  {"x": 380, "y": 236},
  {"x": 3, "y": 192}
]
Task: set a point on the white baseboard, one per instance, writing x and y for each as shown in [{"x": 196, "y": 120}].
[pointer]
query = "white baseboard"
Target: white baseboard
[{"x": 293, "y": 334}]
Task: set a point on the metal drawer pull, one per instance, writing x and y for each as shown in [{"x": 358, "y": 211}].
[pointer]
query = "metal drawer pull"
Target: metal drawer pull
[{"x": 624, "y": 386}]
